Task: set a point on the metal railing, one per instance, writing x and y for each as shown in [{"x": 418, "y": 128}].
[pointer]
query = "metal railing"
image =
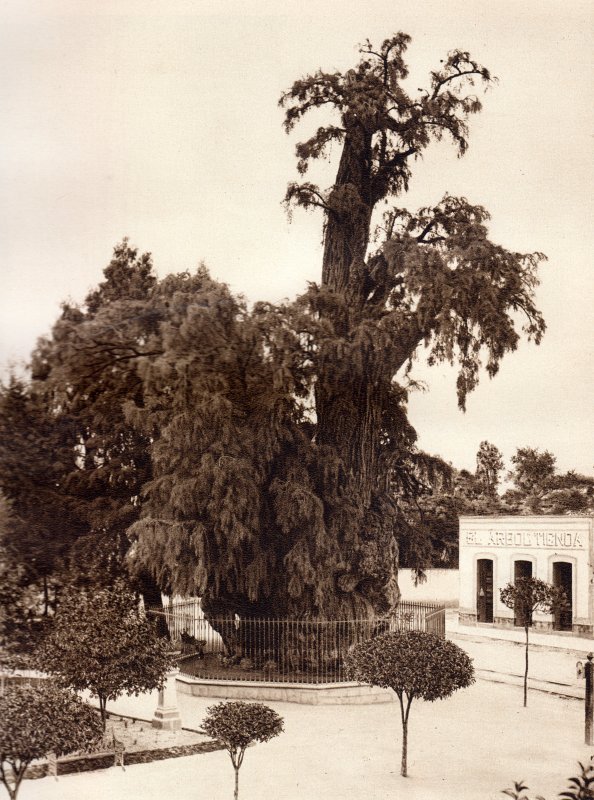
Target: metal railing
[
  {"x": 435, "y": 622},
  {"x": 281, "y": 650}
]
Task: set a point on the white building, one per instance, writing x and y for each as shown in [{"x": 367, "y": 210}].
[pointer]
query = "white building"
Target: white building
[{"x": 495, "y": 551}]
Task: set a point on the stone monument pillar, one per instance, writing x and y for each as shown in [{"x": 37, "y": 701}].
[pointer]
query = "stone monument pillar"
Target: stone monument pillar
[{"x": 166, "y": 716}]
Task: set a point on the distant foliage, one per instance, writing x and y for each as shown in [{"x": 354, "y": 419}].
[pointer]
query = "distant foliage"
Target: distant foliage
[
  {"x": 237, "y": 725},
  {"x": 489, "y": 464},
  {"x": 101, "y": 641},
  {"x": 430, "y": 536},
  {"x": 538, "y": 489},
  {"x": 414, "y": 665},
  {"x": 36, "y": 720},
  {"x": 532, "y": 468}
]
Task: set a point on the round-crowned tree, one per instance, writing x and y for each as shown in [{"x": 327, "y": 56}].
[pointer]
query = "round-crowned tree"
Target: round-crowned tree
[
  {"x": 525, "y": 596},
  {"x": 413, "y": 664},
  {"x": 35, "y": 720},
  {"x": 102, "y": 642},
  {"x": 237, "y": 725}
]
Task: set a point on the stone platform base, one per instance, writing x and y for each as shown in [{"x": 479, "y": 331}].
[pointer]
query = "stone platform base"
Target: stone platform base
[
  {"x": 581, "y": 629},
  {"x": 311, "y": 694},
  {"x": 166, "y": 719}
]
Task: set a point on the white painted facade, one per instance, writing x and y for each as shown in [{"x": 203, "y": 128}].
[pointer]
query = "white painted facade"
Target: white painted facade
[
  {"x": 441, "y": 586},
  {"x": 556, "y": 549}
]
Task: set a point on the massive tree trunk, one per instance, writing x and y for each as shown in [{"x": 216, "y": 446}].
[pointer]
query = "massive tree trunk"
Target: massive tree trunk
[{"x": 349, "y": 414}]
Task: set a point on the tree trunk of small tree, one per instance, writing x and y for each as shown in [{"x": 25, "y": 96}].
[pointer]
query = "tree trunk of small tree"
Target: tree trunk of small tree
[
  {"x": 103, "y": 711},
  {"x": 236, "y": 793},
  {"x": 526, "y": 670},
  {"x": 404, "y": 716},
  {"x": 18, "y": 772}
]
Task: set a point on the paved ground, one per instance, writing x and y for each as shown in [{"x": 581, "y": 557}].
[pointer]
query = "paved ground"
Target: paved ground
[
  {"x": 499, "y": 655},
  {"x": 549, "y": 641},
  {"x": 468, "y": 747}
]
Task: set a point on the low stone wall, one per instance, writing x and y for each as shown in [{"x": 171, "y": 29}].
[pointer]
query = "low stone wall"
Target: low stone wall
[
  {"x": 309, "y": 694},
  {"x": 85, "y": 763}
]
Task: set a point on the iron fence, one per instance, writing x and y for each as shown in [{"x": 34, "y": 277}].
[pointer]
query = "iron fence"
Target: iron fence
[{"x": 281, "y": 650}]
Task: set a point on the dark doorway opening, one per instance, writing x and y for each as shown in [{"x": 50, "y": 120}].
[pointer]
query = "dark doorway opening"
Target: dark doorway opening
[
  {"x": 522, "y": 616},
  {"x": 563, "y": 579},
  {"x": 484, "y": 590}
]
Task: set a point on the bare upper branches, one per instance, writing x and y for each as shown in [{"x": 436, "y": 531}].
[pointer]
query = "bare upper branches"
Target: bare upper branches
[{"x": 377, "y": 113}]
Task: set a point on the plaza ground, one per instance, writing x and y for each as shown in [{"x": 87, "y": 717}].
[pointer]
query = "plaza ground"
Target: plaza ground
[
  {"x": 468, "y": 747},
  {"x": 498, "y": 655}
]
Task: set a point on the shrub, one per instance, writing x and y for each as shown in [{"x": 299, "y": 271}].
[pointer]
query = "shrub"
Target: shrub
[{"x": 581, "y": 787}]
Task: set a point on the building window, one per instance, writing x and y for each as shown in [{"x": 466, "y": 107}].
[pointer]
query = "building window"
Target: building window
[
  {"x": 563, "y": 579},
  {"x": 522, "y": 616},
  {"x": 484, "y": 589}
]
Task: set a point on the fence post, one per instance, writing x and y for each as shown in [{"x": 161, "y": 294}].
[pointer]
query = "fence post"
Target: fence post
[{"x": 589, "y": 669}]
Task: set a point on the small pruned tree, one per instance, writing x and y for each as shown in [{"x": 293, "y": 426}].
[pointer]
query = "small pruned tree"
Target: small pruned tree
[
  {"x": 237, "y": 725},
  {"x": 413, "y": 664},
  {"x": 526, "y": 596},
  {"x": 101, "y": 641},
  {"x": 35, "y": 720}
]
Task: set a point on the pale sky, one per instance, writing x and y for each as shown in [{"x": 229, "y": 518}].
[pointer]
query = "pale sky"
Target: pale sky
[{"x": 159, "y": 121}]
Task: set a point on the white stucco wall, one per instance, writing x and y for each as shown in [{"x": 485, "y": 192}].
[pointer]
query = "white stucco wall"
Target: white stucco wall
[
  {"x": 542, "y": 540},
  {"x": 442, "y": 586}
]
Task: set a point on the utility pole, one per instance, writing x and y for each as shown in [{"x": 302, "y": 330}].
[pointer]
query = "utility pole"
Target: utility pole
[{"x": 589, "y": 669}]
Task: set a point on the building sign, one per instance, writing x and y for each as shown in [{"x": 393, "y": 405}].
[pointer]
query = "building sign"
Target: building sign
[{"x": 566, "y": 540}]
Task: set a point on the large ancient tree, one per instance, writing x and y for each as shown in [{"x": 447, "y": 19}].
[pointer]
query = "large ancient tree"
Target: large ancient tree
[
  {"x": 278, "y": 437},
  {"x": 287, "y": 443},
  {"x": 435, "y": 279}
]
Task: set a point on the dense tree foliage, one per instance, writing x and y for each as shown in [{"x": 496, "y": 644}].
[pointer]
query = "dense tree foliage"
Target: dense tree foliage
[
  {"x": 87, "y": 374},
  {"x": 413, "y": 664},
  {"x": 36, "y": 720},
  {"x": 102, "y": 642},
  {"x": 36, "y": 453},
  {"x": 319, "y": 503},
  {"x": 70, "y": 463},
  {"x": 531, "y": 468},
  {"x": 237, "y": 725}
]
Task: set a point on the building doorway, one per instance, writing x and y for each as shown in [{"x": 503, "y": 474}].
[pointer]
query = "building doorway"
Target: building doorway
[
  {"x": 522, "y": 616},
  {"x": 484, "y": 590},
  {"x": 563, "y": 579}
]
